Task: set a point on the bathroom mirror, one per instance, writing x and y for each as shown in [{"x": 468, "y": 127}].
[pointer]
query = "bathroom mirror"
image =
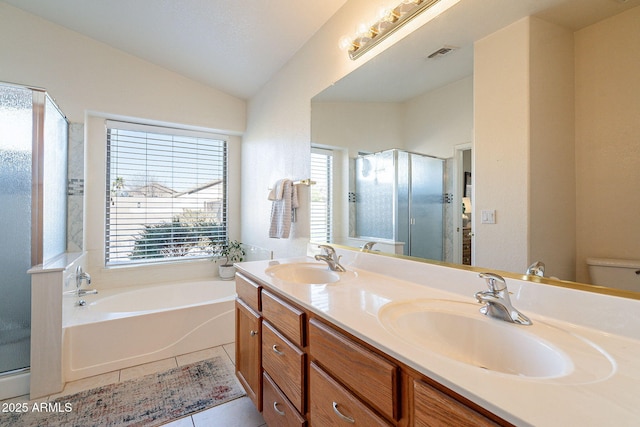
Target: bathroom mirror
[{"x": 382, "y": 104}]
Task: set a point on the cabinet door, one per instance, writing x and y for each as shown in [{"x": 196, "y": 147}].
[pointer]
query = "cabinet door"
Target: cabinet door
[
  {"x": 434, "y": 408},
  {"x": 249, "y": 352}
]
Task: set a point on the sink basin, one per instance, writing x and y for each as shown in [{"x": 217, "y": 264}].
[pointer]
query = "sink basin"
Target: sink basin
[
  {"x": 457, "y": 330},
  {"x": 307, "y": 273}
]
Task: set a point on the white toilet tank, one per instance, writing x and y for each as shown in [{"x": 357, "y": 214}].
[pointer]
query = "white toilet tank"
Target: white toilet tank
[{"x": 615, "y": 273}]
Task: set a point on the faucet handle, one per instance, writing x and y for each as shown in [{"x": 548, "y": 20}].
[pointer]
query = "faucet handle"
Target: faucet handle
[
  {"x": 495, "y": 282},
  {"x": 327, "y": 250}
]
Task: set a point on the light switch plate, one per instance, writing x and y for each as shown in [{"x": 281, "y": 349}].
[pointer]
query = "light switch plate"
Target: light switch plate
[{"x": 488, "y": 217}]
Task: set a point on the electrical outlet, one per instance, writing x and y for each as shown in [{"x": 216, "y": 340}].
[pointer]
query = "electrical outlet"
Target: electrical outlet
[{"x": 488, "y": 217}]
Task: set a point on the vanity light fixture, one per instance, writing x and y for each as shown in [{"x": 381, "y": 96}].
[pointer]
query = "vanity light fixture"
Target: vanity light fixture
[{"x": 390, "y": 20}]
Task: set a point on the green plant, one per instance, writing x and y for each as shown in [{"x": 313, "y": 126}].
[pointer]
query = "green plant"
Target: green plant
[
  {"x": 177, "y": 238},
  {"x": 231, "y": 250}
]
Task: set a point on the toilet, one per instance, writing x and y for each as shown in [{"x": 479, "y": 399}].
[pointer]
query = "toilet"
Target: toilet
[{"x": 615, "y": 273}]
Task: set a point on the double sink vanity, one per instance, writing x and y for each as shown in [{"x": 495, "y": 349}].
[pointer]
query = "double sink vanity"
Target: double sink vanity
[{"x": 396, "y": 342}]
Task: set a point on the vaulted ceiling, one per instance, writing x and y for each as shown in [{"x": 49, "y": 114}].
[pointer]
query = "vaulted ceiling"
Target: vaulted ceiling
[{"x": 235, "y": 46}]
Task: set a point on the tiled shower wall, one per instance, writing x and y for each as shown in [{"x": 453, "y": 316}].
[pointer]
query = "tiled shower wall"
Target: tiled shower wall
[{"x": 75, "y": 187}]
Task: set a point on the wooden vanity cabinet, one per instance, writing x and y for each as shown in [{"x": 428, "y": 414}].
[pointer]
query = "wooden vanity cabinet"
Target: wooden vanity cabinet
[
  {"x": 249, "y": 339},
  {"x": 300, "y": 369}
]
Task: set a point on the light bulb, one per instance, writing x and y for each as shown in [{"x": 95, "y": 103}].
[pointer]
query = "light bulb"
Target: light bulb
[{"x": 345, "y": 42}]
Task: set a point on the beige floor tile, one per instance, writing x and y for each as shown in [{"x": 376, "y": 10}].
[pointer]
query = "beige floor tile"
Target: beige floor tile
[
  {"x": 147, "y": 368},
  {"x": 231, "y": 351},
  {"x": 88, "y": 383},
  {"x": 198, "y": 356},
  {"x": 237, "y": 413}
]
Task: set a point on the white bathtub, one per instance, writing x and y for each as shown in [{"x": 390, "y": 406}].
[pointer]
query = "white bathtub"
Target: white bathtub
[{"x": 124, "y": 327}]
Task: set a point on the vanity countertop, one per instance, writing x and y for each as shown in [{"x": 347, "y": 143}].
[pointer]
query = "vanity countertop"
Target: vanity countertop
[{"x": 603, "y": 390}]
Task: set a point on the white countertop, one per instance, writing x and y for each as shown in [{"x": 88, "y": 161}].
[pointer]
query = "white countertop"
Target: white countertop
[{"x": 604, "y": 390}]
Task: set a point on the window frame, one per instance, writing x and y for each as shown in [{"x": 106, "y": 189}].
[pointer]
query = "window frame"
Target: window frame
[
  {"x": 328, "y": 183},
  {"x": 172, "y": 133}
]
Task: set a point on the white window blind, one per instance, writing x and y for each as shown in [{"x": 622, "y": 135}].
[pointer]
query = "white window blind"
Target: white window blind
[
  {"x": 166, "y": 193},
  {"x": 321, "y": 195}
]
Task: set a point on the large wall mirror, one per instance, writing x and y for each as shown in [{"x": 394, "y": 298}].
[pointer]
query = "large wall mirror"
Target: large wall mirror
[{"x": 417, "y": 113}]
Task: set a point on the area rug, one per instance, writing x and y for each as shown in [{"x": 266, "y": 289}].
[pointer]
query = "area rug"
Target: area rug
[{"x": 151, "y": 400}]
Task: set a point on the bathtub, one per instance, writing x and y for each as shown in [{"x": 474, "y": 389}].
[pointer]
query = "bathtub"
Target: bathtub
[{"x": 120, "y": 328}]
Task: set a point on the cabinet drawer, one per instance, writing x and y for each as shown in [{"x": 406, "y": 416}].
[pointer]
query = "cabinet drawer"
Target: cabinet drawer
[
  {"x": 373, "y": 378},
  {"x": 332, "y": 404},
  {"x": 284, "y": 363},
  {"x": 277, "y": 410},
  {"x": 434, "y": 408},
  {"x": 285, "y": 317},
  {"x": 248, "y": 291}
]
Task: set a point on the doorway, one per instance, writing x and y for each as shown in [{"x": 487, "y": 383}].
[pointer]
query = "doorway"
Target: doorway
[{"x": 463, "y": 207}]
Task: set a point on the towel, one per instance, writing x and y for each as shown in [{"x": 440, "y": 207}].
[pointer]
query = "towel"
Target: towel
[
  {"x": 283, "y": 210},
  {"x": 276, "y": 192}
]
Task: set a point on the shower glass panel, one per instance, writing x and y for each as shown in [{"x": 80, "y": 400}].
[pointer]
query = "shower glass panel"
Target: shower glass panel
[
  {"x": 427, "y": 209},
  {"x": 33, "y": 200},
  {"x": 399, "y": 197},
  {"x": 15, "y": 226},
  {"x": 375, "y": 195},
  {"x": 54, "y": 227}
]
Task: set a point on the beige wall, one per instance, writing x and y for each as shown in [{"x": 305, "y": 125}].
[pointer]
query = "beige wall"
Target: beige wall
[
  {"x": 607, "y": 139},
  {"x": 552, "y": 185},
  {"x": 435, "y": 122},
  {"x": 501, "y": 147},
  {"x": 524, "y": 156}
]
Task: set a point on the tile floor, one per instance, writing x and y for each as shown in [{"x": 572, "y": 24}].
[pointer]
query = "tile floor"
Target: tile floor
[{"x": 237, "y": 413}]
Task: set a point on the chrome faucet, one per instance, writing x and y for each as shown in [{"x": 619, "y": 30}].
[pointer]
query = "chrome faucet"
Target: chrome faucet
[
  {"x": 330, "y": 257},
  {"x": 536, "y": 269},
  {"x": 367, "y": 246},
  {"x": 80, "y": 277},
  {"x": 497, "y": 301}
]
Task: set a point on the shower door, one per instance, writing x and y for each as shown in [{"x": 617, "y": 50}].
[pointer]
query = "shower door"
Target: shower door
[
  {"x": 399, "y": 197},
  {"x": 33, "y": 200},
  {"x": 426, "y": 207},
  {"x": 16, "y": 117}
]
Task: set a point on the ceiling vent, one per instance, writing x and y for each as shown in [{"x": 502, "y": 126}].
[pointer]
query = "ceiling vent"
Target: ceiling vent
[{"x": 442, "y": 51}]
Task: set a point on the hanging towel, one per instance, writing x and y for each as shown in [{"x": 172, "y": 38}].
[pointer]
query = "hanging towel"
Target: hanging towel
[
  {"x": 283, "y": 210},
  {"x": 277, "y": 190}
]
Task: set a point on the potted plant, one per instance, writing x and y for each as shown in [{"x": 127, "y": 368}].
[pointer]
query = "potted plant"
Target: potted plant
[{"x": 232, "y": 251}]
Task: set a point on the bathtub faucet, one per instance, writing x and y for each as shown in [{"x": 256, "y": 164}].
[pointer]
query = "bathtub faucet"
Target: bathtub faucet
[{"x": 80, "y": 277}]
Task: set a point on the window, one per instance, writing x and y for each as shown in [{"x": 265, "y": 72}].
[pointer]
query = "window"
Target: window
[
  {"x": 166, "y": 195},
  {"x": 321, "y": 195}
]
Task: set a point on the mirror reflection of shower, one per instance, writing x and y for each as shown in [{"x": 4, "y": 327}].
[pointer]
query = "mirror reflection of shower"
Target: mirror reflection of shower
[
  {"x": 33, "y": 196},
  {"x": 399, "y": 200}
]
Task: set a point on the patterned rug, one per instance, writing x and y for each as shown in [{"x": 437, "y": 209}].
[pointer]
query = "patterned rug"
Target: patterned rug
[{"x": 151, "y": 400}]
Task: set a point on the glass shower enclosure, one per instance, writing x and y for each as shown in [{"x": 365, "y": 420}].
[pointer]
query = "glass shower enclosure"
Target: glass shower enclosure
[
  {"x": 399, "y": 198},
  {"x": 33, "y": 194}
]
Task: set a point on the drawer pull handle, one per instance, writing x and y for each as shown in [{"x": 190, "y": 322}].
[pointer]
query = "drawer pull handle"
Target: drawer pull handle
[
  {"x": 344, "y": 417},
  {"x": 275, "y": 408},
  {"x": 253, "y": 333},
  {"x": 276, "y": 351}
]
